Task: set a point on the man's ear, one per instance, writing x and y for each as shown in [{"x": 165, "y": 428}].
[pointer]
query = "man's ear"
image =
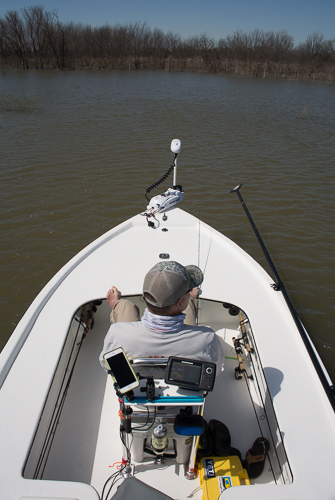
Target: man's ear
[{"x": 179, "y": 303}]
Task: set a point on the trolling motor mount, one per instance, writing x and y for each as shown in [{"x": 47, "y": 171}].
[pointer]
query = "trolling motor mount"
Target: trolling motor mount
[
  {"x": 164, "y": 201},
  {"x": 167, "y": 200}
]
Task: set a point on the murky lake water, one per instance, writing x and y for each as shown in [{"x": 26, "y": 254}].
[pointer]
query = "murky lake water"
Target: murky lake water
[{"x": 80, "y": 163}]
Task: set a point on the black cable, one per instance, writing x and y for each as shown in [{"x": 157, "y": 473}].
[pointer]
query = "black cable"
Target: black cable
[
  {"x": 59, "y": 403},
  {"x": 255, "y": 352},
  {"x": 146, "y": 423},
  {"x": 115, "y": 480},
  {"x": 150, "y": 426},
  {"x": 57, "y": 415},
  {"x": 260, "y": 429},
  {"x": 110, "y": 477},
  {"x": 162, "y": 179},
  {"x": 123, "y": 441}
]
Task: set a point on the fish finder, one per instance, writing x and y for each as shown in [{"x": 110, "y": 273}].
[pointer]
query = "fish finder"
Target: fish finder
[{"x": 190, "y": 373}]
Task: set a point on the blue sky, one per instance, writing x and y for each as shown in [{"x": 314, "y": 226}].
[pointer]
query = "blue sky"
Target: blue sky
[{"x": 217, "y": 18}]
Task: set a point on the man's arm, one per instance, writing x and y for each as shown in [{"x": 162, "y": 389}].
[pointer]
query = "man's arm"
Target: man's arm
[
  {"x": 216, "y": 353},
  {"x": 108, "y": 346}
]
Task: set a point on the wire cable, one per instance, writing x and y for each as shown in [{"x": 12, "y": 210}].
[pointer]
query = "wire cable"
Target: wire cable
[
  {"x": 115, "y": 480},
  {"x": 112, "y": 476},
  {"x": 162, "y": 179},
  {"x": 257, "y": 384},
  {"x": 141, "y": 428}
]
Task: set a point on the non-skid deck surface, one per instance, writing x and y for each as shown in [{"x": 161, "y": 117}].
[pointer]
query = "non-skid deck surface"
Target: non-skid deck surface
[{"x": 87, "y": 446}]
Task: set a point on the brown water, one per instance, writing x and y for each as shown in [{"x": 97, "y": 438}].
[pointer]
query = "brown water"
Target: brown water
[{"x": 80, "y": 163}]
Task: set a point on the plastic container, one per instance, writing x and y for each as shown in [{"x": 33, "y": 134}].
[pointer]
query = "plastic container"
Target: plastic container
[{"x": 219, "y": 473}]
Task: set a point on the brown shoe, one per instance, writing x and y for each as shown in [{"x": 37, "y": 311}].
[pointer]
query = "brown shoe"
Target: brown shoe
[{"x": 255, "y": 458}]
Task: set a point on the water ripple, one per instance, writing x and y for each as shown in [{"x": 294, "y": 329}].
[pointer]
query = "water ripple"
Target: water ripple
[{"x": 81, "y": 163}]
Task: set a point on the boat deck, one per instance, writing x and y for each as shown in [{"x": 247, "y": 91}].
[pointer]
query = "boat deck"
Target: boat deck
[{"x": 87, "y": 447}]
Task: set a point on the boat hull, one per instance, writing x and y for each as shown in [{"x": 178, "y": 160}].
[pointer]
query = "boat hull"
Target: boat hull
[{"x": 286, "y": 402}]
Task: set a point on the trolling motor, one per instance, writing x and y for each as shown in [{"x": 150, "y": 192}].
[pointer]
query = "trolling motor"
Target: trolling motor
[{"x": 167, "y": 200}]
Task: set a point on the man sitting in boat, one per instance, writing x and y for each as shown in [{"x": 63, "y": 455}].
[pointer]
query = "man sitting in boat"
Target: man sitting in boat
[{"x": 162, "y": 330}]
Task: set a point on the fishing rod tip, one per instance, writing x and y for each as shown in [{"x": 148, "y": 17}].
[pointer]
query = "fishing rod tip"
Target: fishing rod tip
[{"x": 237, "y": 188}]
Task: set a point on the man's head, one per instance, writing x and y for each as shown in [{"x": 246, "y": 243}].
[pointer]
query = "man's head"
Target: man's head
[{"x": 167, "y": 282}]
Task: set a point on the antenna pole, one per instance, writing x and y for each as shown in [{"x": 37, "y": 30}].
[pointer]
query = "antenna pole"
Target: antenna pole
[{"x": 175, "y": 170}]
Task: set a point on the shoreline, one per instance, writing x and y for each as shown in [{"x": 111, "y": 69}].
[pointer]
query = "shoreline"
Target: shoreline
[{"x": 291, "y": 72}]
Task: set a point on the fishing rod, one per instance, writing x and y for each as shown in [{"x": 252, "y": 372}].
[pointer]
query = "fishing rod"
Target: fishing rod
[{"x": 279, "y": 286}]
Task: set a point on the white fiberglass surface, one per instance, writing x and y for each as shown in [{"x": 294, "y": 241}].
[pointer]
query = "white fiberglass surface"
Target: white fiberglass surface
[{"x": 87, "y": 446}]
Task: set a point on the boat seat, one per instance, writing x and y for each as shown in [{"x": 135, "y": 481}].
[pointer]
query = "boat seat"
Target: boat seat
[{"x": 134, "y": 489}]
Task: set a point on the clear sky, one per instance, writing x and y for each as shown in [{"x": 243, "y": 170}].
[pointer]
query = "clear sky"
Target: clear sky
[{"x": 217, "y": 18}]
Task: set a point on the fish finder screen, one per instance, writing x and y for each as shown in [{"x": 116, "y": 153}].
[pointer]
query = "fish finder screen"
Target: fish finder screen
[
  {"x": 185, "y": 372},
  {"x": 121, "y": 370}
]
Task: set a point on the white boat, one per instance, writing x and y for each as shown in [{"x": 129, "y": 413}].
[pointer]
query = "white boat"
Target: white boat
[{"x": 58, "y": 410}]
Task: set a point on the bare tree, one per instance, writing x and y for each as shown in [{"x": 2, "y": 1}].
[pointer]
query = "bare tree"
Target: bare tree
[
  {"x": 158, "y": 48},
  {"x": 35, "y": 27},
  {"x": 36, "y": 37},
  {"x": 55, "y": 33},
  {"x": 13, "y": 31},
  {"x": 121, "y": 43},
  {"x": 139, "y": 35}
]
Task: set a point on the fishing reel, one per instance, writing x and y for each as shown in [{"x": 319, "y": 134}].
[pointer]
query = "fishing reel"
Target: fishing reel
[{"x": 240, "y": 371}]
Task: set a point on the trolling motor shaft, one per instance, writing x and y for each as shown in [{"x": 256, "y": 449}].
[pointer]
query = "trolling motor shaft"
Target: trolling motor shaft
[{"x": 167, "y": 200}]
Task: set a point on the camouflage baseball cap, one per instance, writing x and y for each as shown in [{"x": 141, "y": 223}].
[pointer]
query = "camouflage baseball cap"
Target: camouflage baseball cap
[{"x": 168, "y": 281}]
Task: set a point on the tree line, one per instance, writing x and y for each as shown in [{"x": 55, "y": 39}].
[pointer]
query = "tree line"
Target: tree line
[{"x": 36, "y": 38}]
